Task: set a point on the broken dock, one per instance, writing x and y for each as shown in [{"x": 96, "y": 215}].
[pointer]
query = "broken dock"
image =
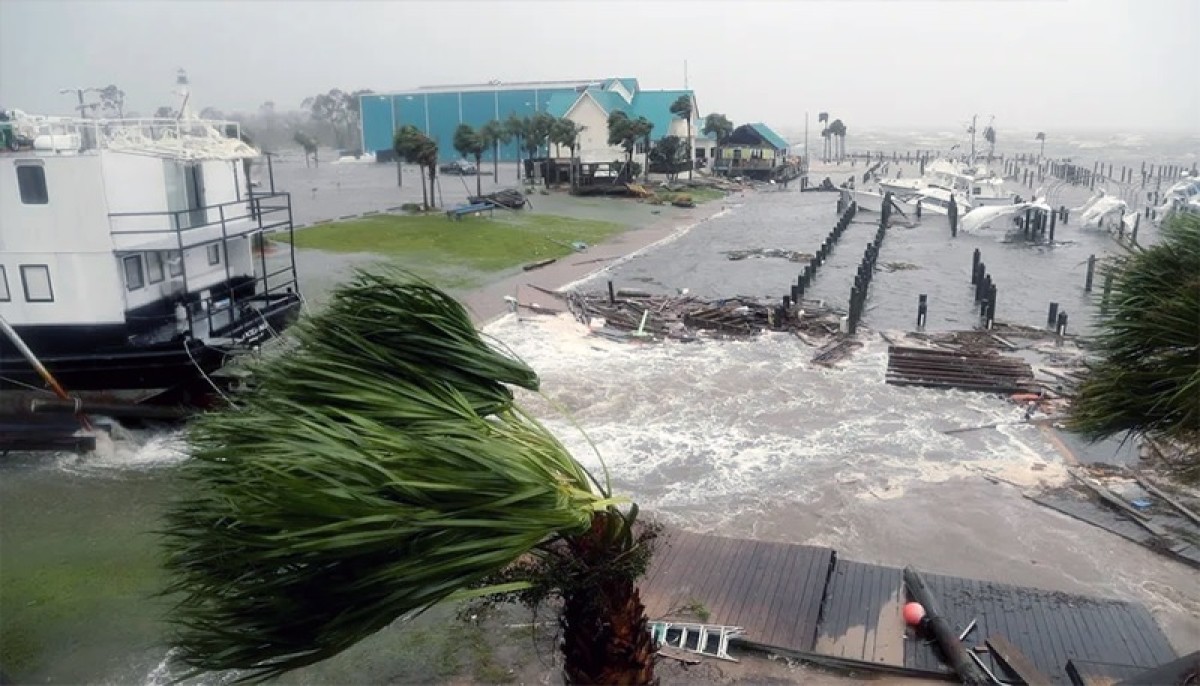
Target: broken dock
[{"x": 806, "y": 602}]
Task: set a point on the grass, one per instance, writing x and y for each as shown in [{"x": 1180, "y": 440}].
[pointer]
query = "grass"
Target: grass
[
  {"x": 431, "y": 242},
  {"x": 702, "y": 195}
]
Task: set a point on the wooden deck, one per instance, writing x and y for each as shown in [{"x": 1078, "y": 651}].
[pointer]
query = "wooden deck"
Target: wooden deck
[{"x": 806, "y": 602}]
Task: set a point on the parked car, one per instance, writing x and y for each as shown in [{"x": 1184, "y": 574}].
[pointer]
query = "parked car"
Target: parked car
[{"x": 460, "y": 167}]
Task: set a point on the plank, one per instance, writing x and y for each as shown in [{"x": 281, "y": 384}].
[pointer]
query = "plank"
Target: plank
[{"x": 1016, "y": 661}]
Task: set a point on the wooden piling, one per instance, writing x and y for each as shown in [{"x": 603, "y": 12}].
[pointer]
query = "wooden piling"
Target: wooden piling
[
  {"x": 1091, "y": 271},
  {"x": 1053, "y": 221},
  {"x": 612, "y": 297},
  {"x": 943, "y": 631},
  {"x": 975, "y": 256},
  {"x": 1052, "y": 316},
  {"x": 1060, "y": 327},
  {"x": 922, "y": 309}
]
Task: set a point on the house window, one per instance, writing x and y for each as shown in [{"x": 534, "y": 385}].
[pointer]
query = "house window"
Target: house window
[
  {"x": 5, "y": 296},
  {"x": 154, "y": 266},
  {"x": 639, "y": 148},
  {"x": 135, "y": 278},
  {"x": 31, "y": 180},
  {"x": 214, "y": 254},
  {"x": 699, "y": 153},
  {"x": 737, "y": 153},
  {"x": 174, "y": 263},
  {"x": 35, "y": 279}
]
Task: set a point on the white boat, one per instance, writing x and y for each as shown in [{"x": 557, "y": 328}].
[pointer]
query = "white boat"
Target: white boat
[
  {"x": 128, "y": 253},
  {"x": 867, "y": 201},
  {"x": 1183, "y": 196},
  {"x": 935, "y": 200},
  {"x": 976, "y": 186}
]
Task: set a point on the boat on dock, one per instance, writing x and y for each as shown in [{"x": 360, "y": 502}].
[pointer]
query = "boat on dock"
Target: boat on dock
[{"x": 135, "y": 255}]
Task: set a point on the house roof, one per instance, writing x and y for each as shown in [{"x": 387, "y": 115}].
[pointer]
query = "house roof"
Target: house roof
[
  {"x": 656, "y": 106},
  {"x": 629, "y": 84},
  {"x": 560, "y": 103},
  {"x": 769, "y": 136}
]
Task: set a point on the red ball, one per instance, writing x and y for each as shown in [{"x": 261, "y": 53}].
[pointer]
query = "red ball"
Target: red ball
[{"x": 914, "y": 613}]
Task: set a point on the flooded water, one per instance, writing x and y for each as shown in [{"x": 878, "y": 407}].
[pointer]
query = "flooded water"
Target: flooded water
[{"x": 742, "y": 438}]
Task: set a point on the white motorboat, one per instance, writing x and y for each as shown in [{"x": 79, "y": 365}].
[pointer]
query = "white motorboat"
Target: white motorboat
[{"x": 935, "y": 200}]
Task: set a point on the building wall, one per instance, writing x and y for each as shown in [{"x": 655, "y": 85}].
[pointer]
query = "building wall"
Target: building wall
[
  {"x": 439, "y": 114},
  {"x": 593, "y": 142}
]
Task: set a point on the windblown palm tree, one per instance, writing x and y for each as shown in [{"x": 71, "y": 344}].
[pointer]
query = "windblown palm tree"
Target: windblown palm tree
[
  {"x": 566, "y": 132},
  {"x": 682, "y": 107},
  {"x": 493, "y": 134},
  {"x": 469, "y": 143},
  {"x": 823, "y": 119},
  {"x": 1148, "y": 378},
  {"x": 378, "y": 469},
  {"x": 989, "y": 135},
  {"x": 1041, "y": 136}
]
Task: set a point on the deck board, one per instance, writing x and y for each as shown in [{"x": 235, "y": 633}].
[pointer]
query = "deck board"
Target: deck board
[{"x": 778, "y": 592}]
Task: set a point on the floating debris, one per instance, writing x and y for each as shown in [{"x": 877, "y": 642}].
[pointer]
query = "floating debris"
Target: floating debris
[
  {"x": 789, "y": 255},
  {"x": 683, "y": 317},
  {"x": 898, "y": 266}
]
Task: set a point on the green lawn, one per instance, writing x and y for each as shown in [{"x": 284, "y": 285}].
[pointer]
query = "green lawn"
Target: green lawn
[{"x": 478, "y": 242}]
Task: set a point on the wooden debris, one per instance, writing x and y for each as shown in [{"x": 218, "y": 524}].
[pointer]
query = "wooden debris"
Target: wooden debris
[
  {"x": 539, "y": 264},
  {"x": 835, "y": 351},
  {"x": 962, "y": 661},
  {"x": 1016, "y": 662},
  {"x": 1154, "y": 490},
  {"x": 958, "y": 369},
  {"x": 681, "y": 317}
]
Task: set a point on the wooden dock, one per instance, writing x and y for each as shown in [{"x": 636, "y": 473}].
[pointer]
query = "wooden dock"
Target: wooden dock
[
  {"x": 806, "y": 602},
  {"x": 954, "y": 369}
]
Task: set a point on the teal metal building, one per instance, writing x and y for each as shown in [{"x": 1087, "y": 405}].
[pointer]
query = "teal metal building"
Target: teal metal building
[{"x": 438, "y": 110}]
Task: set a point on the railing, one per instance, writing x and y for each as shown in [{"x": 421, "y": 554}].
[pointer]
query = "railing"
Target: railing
[
  {"x": 752, "y": 163},
  {"x": 187, "y": 137},
  {"x": 225, "y": 314}
]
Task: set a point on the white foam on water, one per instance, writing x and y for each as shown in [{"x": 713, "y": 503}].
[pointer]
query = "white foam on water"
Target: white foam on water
[
  {"x": 729, "y": 426},
  {"x": 127, "y": 450}
]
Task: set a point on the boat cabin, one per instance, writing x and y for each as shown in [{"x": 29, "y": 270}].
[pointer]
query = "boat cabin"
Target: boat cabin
[{"x": 128, "y": 237}]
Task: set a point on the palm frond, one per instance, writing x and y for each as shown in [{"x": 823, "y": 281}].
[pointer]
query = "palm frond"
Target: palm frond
[
  {"x": 377, "y": 469},
  {"x": 1148, "y": 378}
]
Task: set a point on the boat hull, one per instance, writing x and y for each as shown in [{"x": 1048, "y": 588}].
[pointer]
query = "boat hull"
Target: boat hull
[{"x": 159, "y": 365}]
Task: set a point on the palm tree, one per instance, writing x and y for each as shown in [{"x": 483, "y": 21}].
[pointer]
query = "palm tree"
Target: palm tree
[
  {"x": 380, "y": 468},
  {"x": 838, "y": 130},
  {"x": 517, "y": 127},
  {"x": 415, "y": 148},
  {"x": 682, "y": 107},
  {"x": 823, "y": 118},
  {"x": 310, "y": 147},
  {"x": 1041, "y": 136},
  {"x": 1147, "y": 380},
  {"x": 469, "y": 143},
  {"x": 719, "y": 127},
  {"x": 566, "y": 132},
  {"x": 493, "y": 134}
]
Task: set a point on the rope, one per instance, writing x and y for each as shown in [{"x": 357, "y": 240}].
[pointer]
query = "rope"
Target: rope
[{"x": 196, "y": 364}]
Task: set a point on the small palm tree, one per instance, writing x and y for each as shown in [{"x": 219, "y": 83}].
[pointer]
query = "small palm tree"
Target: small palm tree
[
  {"x": 493, "y": 134},
  {"x": 683, "y": 108},
  {"x": 837, "y": 130},
  {"x": 823, "y": 119},
  {"x": 419, "y": 149},
  {"x": 989, "y": 135},
  {"x": 517, "y": 127},
  {"x": 469, "y": 143},
  {"x": 1148, "y": 378},
  {"x": 1041, "y": 136},
  {"x": 378, "y": 469},
  {"x": 566, "y": 132}
]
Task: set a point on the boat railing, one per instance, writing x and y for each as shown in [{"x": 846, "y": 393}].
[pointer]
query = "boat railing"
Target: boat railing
[
  {"x": 185, "y": 137},
  {"x": 263, "y": 212}
]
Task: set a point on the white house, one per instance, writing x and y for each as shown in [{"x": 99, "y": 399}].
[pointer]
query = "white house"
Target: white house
[{"x": 591, "y": 107}]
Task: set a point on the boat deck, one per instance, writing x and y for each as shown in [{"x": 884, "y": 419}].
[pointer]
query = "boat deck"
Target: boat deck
[{"x": 806, "y": 602}]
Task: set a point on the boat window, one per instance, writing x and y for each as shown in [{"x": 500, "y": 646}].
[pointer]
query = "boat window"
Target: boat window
[
  {"x": 174, "y": 263},
  {"x": 214, "y": 254},
  {"x": 31, "y": 180},
  {"x": 154, "y": 266},
  {"x": 35, "y": 278},
  {"x": 5, "y": 296},
  {"x": 135, "y": 278}
]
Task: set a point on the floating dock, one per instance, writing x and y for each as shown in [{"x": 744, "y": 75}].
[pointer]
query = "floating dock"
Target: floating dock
[{"x": 806, "y": 602}]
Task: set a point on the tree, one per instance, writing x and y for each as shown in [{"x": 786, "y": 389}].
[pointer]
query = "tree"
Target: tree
[
  {"x": 566, "y": 132},
  {"x": 212, "y": 113},
  {"x": 838, "y": 130},
  {"x": 516, "y": 127},
  {"x": 537, "y": 135},
  {"x": 682, "y": 107},
  {"x": 417, "y": 148},
  {"x": 989, "y": 135},
  {"x": 1041, "y": 136},
  {"x": 823, "y": 119},
  {"x": 670, "y": 154},
  {"x": 112, "y": 101},
  {"x": 382, "y": 467},
  {"x": 1147, "y": 380},
  {"x": 493, "y": 134},
  {"x": 718, "y": 126},
  {"x": 469, "y": 143},
  {"x": 166, "y": 112},
  {"x": 339, "y": 110},
  {"x": 354, "y": 112},
  {"x": 309, "y": 144},
  {"x": 627, "y": 133}
]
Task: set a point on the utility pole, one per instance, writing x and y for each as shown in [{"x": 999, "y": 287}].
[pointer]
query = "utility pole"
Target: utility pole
[
  {"x": 973, "y": 117},
  {"x": 806, "y": 139}
]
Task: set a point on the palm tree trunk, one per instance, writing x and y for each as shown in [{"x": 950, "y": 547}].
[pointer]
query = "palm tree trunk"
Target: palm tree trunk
[
  {"x": 519, "y": 151},
  {"x": 691, "y": 148},
  {"x": 496, "y": 162},
  {"x": 432, "y": 180},
  {"x": 478, "y": 174},
  {"x": 606, "y": 636},
  {"x": 424, "y": 196}
]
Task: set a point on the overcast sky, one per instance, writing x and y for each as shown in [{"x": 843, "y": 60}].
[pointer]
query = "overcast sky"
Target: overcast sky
[{"x": 1071, "y": 64}]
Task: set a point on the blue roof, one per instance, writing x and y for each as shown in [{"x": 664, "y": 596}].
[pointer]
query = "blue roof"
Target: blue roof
[
  {"x": 560, "y": 103},
  {"x": 609, "y": 101},
  {"x": 656, "y": 106},
  {"x": 630, "y": 85},
  {"x": 769, "y": 136}
]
